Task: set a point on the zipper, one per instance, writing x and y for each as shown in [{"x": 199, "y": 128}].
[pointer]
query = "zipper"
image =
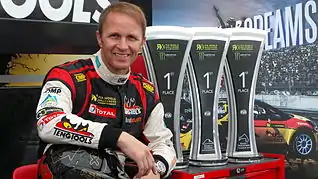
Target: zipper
[{"x": 121, "y": 106}]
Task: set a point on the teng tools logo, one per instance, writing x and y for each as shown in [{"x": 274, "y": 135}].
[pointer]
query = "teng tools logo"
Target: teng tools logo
[{"x": 73, "y": 129}]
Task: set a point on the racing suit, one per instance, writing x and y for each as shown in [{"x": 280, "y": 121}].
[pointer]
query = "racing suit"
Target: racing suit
[{"x": 82, "y": 103}]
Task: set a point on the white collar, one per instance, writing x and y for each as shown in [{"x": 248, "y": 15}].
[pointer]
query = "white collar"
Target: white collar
[{"x": 105, "y": 73}]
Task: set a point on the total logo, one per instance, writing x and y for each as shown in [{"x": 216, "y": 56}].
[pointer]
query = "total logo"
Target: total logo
[
  {"x": 103, "y": 112},
  {"x": 54, "y": 10}
]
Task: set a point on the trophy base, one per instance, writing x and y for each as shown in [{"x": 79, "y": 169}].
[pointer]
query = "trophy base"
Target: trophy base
[
  {"x": 208, "y": 163},
  {"x": 181, "y": 165},
  {"x": 245, "y": 159}
]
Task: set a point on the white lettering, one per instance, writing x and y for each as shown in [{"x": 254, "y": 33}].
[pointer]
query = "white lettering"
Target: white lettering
[
  {"x": 242, "y": 90},
  {"x": 248, "y": 23},
  {"x": 207, "y": 91},
  {"x": 291, "y": 26},
  {"x": 56, "y": 14},
  {"x": 103, "y": 4},
  {"x": 18, "y": 11},
  {"x": 288, "y": 24},
  {"x": 294, "y": 28},
  {"x": 238, "y": 23},
  {"x": 267, "y": 16},
  {"x": 278, "y": 30},
  {"x": 310, "y": 4},
  {"x": 258, "y": 22},
  {"x": 106, "y": 113},
  {"x": 78, "y": 14},
  {"x": 168, "y": 92},
  {"x": 132, "y": 111}
]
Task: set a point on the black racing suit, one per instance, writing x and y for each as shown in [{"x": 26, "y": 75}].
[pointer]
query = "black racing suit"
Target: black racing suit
[{"x": 82, "y": 103}]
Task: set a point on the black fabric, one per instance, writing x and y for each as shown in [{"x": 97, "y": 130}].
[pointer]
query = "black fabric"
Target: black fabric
[
  {"x": 81, "y": 66},
  {"x": 81, "y": 93},
  {"x": 73, "y": 162},
  {"x": 151, "y": 101},
  {"x": 109, "y": 137}
]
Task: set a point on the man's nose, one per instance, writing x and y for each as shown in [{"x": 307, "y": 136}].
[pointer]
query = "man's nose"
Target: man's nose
[{"x": 123, "y": 44}]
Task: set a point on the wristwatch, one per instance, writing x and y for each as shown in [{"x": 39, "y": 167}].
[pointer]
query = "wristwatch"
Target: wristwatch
[{"x": 161, "y": 167}]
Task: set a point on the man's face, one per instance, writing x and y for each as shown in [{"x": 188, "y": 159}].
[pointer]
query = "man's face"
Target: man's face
[{"x": 120, "y": 41}]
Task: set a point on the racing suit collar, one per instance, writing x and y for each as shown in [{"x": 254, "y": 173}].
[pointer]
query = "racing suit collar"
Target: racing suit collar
[{"x": 106, "y": 74}]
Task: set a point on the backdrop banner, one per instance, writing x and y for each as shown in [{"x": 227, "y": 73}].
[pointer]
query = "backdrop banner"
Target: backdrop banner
[{"x": 286, "y": 95}]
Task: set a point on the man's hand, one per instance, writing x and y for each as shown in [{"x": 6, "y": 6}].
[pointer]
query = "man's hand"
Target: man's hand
[
  {"x": 151, "y": 175},
  {"x": 138, "y": 152}
]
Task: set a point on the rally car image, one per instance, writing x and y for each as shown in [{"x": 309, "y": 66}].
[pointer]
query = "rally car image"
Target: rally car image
[
  {"x": 275, "y": 127},
  {"x": 298, "y": 134},
  {"x": 185, "y": 124}
]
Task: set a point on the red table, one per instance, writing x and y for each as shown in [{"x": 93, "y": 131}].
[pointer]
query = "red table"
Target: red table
[{"x": 271, "y": 167}]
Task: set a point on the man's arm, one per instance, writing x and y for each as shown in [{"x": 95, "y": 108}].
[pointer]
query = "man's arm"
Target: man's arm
[
  {"x": 159, "y": 137},
  {"x": 57, "y": 125}
]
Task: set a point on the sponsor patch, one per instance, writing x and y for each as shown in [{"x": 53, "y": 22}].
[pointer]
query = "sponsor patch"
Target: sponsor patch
[
  {"x": 80, "y": 77},
  {"x": 73, "y": 130},
  {"x": 101, "y": 111},
  {"x": 132, "y": 110},
  {"x": 41, "y": 123},
  {"x": 46, "y": 111},
  {"x": 103, "y": 99},
  {"x": 49, "y": 101},
  {"x": 49, "y": 117},
  {"x": 54, "y": 90},
  {"x": 130, "y": 107},
  {"x": 133, "y": 120},
  {"x": 148, "y": 87}
]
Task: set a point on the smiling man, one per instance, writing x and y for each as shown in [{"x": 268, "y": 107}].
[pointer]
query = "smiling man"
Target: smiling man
[{"x": 101, "y": 115}]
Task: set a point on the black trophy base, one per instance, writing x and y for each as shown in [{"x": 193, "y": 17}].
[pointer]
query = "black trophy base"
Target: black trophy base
[
  {"x": 245, "y": 159},
  {"x": 208, "y": 163},
  {"x": 181, "y": 165}
]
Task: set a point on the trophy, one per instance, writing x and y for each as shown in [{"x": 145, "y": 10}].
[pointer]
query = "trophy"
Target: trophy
[
  {"x": 166, "y": 55},
  {"x": 241, "y": 70},
  {"x": 205, "y": 66}
]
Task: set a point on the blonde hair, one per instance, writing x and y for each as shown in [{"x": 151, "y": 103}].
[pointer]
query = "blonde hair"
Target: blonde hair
[{"x": 127, "y": 9}]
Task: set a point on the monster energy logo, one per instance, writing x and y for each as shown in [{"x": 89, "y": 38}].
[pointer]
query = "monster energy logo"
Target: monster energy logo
[
  {"x": 201, "y": 55},
  {"x": 162, "y": 55},
  {"x": 237, "y": 55}
]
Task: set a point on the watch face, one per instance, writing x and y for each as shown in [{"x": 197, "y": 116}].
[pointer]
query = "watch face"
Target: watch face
[{"x": 161, "y": 168}]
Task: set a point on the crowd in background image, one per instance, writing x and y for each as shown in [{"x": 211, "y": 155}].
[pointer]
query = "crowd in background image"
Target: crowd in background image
[{"x": 291, "y": 70}]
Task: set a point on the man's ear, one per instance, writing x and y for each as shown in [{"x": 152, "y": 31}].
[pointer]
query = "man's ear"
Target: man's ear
[
  {"x": 99, "y": 39},
  {"x": 143, "y": 41}
]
